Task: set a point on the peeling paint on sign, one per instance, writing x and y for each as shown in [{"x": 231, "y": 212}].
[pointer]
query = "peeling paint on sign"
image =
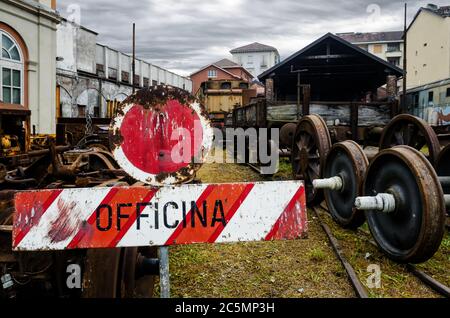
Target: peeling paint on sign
[
  {"x": 161, "y": 135},
  {"x": 145, "y": 216}
]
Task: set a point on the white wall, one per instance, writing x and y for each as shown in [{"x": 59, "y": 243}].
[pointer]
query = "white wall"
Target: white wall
[
  {"x": 384, "y": 54},
  {"x": 80, "y": 51},
  {"x": 38, "y": 30},
  {"x": 253, "y": 62}
]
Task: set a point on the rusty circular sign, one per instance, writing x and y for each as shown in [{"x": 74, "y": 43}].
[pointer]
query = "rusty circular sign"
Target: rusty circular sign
[{"x": 160, "y": 135}]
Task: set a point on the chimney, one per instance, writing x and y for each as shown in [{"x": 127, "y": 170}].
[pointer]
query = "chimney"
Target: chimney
[{"x": 48, "y": 3}]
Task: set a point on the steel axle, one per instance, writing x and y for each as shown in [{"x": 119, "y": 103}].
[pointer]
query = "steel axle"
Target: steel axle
[
  {"x": 334, "y": 183},
  {"x": 447, "y": 200},
  {"x": 383, "y": 202}
]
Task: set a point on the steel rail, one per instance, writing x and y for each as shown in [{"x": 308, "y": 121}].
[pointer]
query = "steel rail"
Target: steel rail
[{"x": 358, "y": 287}]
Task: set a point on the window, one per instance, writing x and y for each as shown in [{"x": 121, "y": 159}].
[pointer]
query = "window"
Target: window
[
  {"x": 11, "y": 88},
  {"x": 243, "y": 85},
  {"x": 11, "y": 71},
  {"x": 394, "y": 60},
  {"x": 377, "y": 48},
  {"x": 393, "y": 47},
  {"x": 416, "y": 100},
  {"x": 250, "y": 59},
  {"x": 263, "y": 61},
  {"x": 212, "y": 73},
  {"x": 448, "y": 92},
  {"x": 365, "y": 47},
  {"x": 430, "y": 97},
  {"x": 225, "y": 85}
]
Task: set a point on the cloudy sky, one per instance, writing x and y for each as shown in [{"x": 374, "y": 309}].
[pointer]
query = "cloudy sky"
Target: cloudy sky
[{"x": 183, "y": 35}]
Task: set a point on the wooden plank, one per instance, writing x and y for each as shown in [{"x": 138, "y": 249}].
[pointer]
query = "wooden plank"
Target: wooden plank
[{"x": 367, "y": 115}]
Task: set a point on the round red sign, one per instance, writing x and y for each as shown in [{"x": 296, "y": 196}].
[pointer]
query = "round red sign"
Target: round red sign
[{"x": 160, "y": 135}]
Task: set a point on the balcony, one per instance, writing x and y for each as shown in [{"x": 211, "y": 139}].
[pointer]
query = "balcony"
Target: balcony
[{"x": 396, "y": 53}]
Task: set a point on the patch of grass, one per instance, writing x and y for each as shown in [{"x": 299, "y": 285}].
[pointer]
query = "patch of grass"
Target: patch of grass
[
  {"x": 284, "y": 170},
  {"x": 396, "y": 280},
  {"x": 446, "y": 242},
  {"x": 317, "y": 254}
]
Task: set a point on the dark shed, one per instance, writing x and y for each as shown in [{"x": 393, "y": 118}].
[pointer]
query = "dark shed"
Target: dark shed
[{"x": 336, "y": 70}]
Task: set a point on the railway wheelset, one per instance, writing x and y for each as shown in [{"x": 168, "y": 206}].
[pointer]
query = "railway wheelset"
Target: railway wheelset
[{"x": 402, "y": 191}]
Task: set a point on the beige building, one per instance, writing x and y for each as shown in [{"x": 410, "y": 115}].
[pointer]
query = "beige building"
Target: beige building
[
  {"x": 385, "y": 45},
  {"x": 28, "y": 64},
  {"x": 428, "y": 52}
]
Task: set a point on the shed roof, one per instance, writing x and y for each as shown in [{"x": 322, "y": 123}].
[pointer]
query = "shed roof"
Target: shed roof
[{"x": 333, "y": 67}]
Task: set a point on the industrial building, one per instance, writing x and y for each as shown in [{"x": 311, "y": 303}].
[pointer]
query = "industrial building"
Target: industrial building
[
  {"x": 335, "y": 69},
  {"x": 92, "y": 78}
]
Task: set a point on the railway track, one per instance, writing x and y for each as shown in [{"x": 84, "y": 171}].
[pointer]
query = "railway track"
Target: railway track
[
  {"x": 432, "y": 283},
  {"x": 358, "y": 287}
]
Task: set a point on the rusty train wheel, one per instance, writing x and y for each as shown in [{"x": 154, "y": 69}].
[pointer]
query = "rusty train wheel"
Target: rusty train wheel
[
  {"x": 287, "y": 133},
  {"x": 443, "y": 168},
  {"x": 133, "y": 283},
  {"x": 311, "y": 144},
  {"x": 348, "y": 161},
  {"x": 113, "y": 273},
  {"x": 100, "y": 278},
  {"x": 411, "y": 131},
  {"x": 414, "y": 231}
]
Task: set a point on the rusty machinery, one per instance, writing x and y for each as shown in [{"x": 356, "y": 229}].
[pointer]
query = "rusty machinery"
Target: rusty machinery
[
  {"x": 334, "y": 168},
  {"x": 398, "y": 187},
  {"x": 122, "y": 272}
]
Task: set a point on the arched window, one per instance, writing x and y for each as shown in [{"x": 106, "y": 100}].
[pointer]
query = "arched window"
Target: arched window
[{"x": 11, "y": 70}]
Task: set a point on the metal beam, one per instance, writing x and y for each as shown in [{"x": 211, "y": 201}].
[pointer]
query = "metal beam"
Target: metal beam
[{"x": 328, "y": 56}]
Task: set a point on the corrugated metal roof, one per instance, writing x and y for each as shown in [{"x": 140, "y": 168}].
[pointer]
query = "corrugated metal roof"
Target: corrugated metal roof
[
  {"x": 356, "y": 37},
  {"x": 254, "y": 47}
]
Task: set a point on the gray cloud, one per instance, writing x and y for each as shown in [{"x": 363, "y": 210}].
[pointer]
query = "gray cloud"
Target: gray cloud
[{"x": 185, "y": 35}]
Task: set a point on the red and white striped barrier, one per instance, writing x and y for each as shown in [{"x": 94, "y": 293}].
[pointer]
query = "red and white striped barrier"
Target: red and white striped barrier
[{"x": 143, "y": 216}]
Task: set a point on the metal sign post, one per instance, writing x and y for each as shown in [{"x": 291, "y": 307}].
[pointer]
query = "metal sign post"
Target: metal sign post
[{"x": 164, "y": 275}]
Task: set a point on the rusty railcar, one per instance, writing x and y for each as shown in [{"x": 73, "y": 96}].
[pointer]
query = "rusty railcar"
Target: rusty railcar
[{"x": 339, "y": 114}]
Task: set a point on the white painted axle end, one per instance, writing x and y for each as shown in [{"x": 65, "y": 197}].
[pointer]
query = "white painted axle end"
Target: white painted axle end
[
  {"x": 383, "y": 202},
  {"x": 334, "y": 183}
]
